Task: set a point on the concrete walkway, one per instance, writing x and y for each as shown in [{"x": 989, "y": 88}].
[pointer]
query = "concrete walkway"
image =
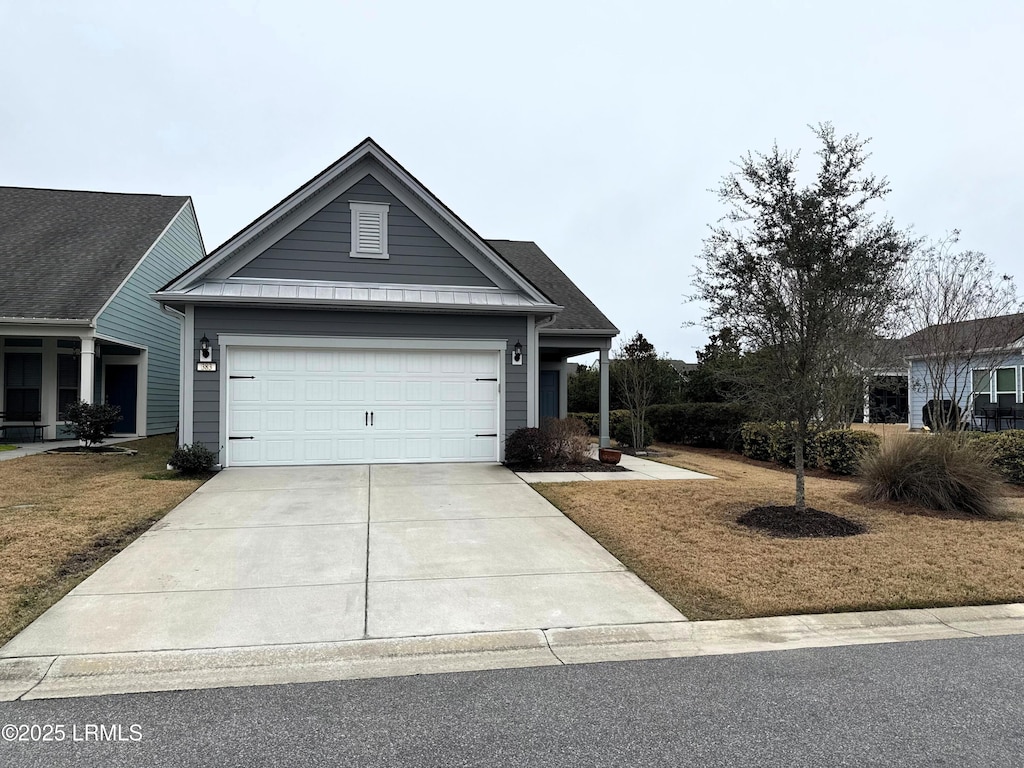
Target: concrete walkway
[
  {"x": 298, "y": 555},
  {"x": 639, "y": 469}
]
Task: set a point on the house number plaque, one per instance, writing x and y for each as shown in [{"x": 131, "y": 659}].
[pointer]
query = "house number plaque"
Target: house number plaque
[{"x": 206, "y": 366}]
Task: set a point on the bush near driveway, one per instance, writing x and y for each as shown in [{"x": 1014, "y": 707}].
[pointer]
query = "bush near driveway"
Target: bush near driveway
[
  {"x": 62, "y": 516},
  {"x": 682, "y": 538}
]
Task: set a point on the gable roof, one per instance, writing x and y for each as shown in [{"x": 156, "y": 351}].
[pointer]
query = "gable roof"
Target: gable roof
[
  {"x": 682, "y": 367},
  {"x": 63, "y": 253},
  {"x": 580, "y": 313},
  {"x": 247, "y": 242},
  {"x": 974, "y": 335}
]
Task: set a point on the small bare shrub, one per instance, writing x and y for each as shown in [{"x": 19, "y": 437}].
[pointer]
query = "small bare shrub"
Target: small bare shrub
[
  {"x": 945, "y": 471},
  {"x": 569, "y": 440}
]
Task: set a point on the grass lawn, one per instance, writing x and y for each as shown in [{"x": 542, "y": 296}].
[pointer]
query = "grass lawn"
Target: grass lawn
[
  {"x": 6, "y": 447},
  {"x": 61, "y": 517},
  {"x": 681, "y": 538}
]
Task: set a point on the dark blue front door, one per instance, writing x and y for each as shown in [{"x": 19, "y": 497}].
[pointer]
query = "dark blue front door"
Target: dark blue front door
[
  {"x": 549, "y": 394},
  {"x": 122, "y": 389}
]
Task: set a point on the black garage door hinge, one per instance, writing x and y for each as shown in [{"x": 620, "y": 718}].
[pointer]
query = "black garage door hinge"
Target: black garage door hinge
[
  {"x": 486, "y": 379},
  {"x": 241, "y": 377},
  {"x": 489, "y": 434},
  {"x": 250, "y": 437}
]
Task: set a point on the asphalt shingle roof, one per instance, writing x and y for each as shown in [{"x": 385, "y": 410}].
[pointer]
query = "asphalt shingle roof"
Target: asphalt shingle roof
[
  {"x": 63, "y": 252},
  {"x": 983, "y": 333},
  {"x": 531, "y": 262}
]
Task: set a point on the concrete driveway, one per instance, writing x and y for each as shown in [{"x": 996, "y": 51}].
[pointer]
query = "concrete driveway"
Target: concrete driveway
[{"x": 319, "y": 554}]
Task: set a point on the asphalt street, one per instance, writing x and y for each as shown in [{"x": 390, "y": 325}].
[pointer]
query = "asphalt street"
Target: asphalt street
[{"x": 936, "y": 703}]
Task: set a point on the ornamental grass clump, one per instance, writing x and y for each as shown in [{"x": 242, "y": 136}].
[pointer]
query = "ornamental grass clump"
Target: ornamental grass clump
[{"x": 945, "y": 472}]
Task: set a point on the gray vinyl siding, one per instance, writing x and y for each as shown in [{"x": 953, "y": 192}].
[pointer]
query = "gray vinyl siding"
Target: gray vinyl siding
[
  {"x": 319, "y": 248},
  {"x": 214, "y": 321},
  {"x": 134, "y": 318}
]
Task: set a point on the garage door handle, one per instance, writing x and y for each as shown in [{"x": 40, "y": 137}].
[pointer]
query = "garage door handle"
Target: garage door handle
[
  {"x": 371, "y": 418},
  {"x": 366, "y": 418}
]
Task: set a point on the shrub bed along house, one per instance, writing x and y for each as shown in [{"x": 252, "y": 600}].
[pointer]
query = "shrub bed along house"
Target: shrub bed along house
[{"x": 556, "y": 442}]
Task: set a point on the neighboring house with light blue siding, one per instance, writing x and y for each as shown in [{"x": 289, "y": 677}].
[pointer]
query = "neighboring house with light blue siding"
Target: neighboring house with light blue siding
[
  {"x": 77, "y": 319},
  {"x": 985, "y": 380},
  {"x": 361, "y": 321}
]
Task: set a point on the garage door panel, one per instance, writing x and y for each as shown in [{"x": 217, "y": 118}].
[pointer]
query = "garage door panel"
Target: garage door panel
[{"x": 312, "y": 406}]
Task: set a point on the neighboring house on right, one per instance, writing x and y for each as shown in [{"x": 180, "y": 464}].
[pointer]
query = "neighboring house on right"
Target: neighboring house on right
[{"x": 976, "y": 364}]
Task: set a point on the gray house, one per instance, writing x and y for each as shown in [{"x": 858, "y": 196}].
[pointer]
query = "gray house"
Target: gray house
[
  {"x": 76, "y": 318},
  {"x": 361, "y": 320}
]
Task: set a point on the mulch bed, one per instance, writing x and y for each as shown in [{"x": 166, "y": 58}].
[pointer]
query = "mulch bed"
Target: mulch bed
[
  {"x": 593, "y": 465},
  {"x": 786, "y": 522},
  {"x": 80, "y": 451}
]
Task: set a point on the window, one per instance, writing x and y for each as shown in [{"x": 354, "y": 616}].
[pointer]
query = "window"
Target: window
[
  {"x": 67, "y": 383},
  {"x": 369, "y": 230},
  {"x": 1006, "y": 387},
  {"x": 23, "y": 378}
]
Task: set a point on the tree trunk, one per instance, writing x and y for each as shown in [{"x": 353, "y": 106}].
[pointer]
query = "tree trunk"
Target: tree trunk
[{"x": 798, "y": 460}]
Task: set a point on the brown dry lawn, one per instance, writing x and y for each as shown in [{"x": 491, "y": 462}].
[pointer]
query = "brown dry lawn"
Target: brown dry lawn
[
  {"x": 61, "y": 517},
  {"x": 681, "y": 538}
]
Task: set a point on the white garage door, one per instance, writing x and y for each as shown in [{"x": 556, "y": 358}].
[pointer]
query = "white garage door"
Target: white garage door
[{"x": 329, "y": 406}]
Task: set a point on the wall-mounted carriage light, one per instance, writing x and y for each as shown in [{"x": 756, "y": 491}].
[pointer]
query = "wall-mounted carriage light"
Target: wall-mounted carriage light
[
  {"x": 204, "y": 348},
  {"x": 517, "y": 354}
]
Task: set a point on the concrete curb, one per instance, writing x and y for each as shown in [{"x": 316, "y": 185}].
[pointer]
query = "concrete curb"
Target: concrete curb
[{"x": 101, "y": 674}]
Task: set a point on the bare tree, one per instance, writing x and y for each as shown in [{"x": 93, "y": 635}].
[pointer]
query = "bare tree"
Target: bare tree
[
  {"x": 804, "y": 276},
  {"x": 635, "y": 371},
  {"x": 958, "y": 317}
]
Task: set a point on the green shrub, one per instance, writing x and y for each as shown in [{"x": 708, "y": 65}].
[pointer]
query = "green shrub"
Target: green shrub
[
  {"x": 92, "y": 423},
  {"x": 773, "y": 441},
  {"x": 192, "y": 459},
  {"x": 707, "y": 425},
  {"x": 840, "y": 450},
  {"x": 943, "y": 471},
  {"x": 1008, "y": 453},
  {"x": 616, "y": 419},
  {"x": 592, "y": 420},
  {"x": 756, "y": 441},
  {"x": 527, "y": 447},
  {"x": 622, "y": 433}
]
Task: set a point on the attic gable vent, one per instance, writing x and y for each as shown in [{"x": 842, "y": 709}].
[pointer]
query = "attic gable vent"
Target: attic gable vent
[{"x": 369, "y": 230}]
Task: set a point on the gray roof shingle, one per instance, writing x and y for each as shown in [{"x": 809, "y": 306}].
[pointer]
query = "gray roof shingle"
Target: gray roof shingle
[
  {"x": 972, "y": 335},
  {"x": 63, "y": 252},
  {"x": 531, "y": 262}
]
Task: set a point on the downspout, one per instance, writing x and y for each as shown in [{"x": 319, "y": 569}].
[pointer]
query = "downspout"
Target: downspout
[{"x": 533, "y": 370}]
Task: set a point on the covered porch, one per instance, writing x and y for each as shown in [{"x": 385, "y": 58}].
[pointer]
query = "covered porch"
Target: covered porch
[
  {"x": 46, "y": 367},
  {"x": 552, "y": 378}
]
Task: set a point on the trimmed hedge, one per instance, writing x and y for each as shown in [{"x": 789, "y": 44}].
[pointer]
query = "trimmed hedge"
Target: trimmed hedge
[
  {"x": 592, "y": 420},
  {"x": 706, "y": 425},
  {"x": 840, "y": 450},
  {"x": 837, "y": 450},
  {"x": 1007, "y": 453}
]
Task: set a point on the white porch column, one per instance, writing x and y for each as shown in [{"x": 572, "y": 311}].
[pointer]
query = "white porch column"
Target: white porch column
[
  {"x": 48, "y": 391},
  {"x": 867, "y": 400},
  {"x": 88, "y": 370},
  {"x": 605, "y": 441}
]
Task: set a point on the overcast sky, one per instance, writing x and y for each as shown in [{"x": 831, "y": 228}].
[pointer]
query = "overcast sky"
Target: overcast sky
[{"x": 594, "y": 128}]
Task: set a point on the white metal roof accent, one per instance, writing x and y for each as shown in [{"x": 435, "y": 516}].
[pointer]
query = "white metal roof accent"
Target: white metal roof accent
[{"x": 292, "y": 291}]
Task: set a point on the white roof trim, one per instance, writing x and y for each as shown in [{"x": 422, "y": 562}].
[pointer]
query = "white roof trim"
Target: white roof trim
[{"x": 366, "y": 149}]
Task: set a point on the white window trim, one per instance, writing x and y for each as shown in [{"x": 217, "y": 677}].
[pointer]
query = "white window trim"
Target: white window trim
[{"x": 381, "y": 209}]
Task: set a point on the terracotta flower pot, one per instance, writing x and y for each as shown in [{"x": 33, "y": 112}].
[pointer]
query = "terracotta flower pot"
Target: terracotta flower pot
[{"x": 609, "y": 455}]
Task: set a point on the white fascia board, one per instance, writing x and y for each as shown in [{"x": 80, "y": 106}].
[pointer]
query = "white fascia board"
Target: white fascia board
[
  {"x": 138, "y": 263},
  {"x": 359, "y": 342},
  {"x": 544, "y": 309},
  {"x": 23, "y": 327},
  {"x": 609, "y": 332}
]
